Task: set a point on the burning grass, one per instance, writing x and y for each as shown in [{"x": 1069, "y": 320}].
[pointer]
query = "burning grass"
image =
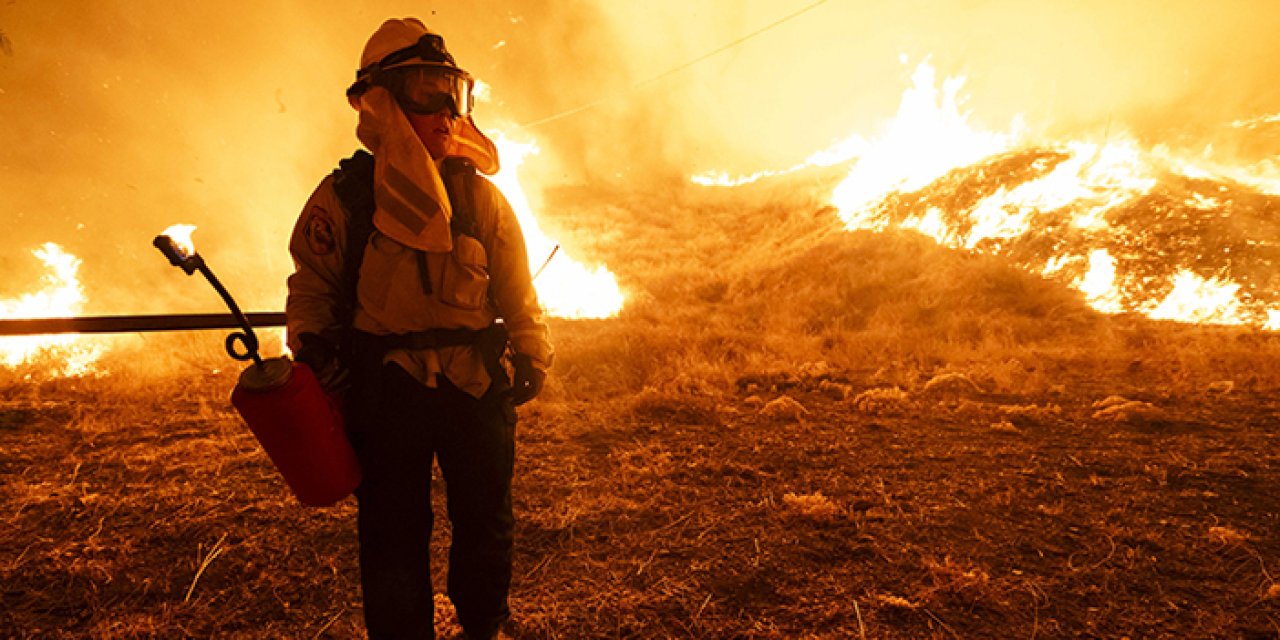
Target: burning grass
[{"x": 790, "y": 431}]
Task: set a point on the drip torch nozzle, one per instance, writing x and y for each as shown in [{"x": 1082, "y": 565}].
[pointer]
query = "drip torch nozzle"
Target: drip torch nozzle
[
  {"x": 178, "y": 256},
  {"x": 191, "y": 263}
]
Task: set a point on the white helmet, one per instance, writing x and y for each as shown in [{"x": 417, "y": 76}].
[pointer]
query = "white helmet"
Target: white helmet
[{"x": 399, "y": 55}]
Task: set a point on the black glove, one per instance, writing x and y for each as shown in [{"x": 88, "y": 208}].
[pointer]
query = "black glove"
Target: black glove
[
  {"x": 322, "y": 357},
  {"x": 527, "y": 381}
]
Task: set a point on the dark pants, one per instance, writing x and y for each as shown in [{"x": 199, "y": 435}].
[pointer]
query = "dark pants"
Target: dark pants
[{"x": 396, "y": 439}]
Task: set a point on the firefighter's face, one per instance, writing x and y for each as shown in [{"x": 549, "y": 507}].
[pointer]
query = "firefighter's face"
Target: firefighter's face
[{"x": 435, "y": 129}]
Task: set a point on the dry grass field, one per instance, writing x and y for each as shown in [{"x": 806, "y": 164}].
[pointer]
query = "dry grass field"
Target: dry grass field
[{"x": 791, "y": 431}]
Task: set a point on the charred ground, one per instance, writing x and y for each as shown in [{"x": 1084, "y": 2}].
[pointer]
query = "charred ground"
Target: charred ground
[{"x": 791, "y": 431}]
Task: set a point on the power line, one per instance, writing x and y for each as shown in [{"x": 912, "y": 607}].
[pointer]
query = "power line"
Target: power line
[{"x": 673, "y": 70}]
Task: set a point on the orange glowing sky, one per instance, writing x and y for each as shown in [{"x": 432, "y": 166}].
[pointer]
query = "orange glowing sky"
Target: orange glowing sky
[{"x": 121, "y": 118}]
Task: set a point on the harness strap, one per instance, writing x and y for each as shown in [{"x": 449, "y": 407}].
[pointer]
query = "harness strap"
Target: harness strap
[
  {"x": 458, "y": 174},
  {"x": 353, "y": 184},
  {"x": 494, "y": 343}
]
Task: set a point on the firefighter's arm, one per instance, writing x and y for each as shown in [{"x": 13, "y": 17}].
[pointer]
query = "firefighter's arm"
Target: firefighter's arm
[
  {"x": 317, "y": 294},
  {"x": 512, "y": 285}
]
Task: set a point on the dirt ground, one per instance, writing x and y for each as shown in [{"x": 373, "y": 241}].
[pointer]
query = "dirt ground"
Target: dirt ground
[
  {"x": 791, "y": 431},
  {"x": 806, "y": 504}
]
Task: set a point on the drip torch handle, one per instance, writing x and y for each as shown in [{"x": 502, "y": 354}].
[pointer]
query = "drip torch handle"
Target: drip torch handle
[
  {"x": 247, "y": 338},
  {"x": 192, "y": 263}
]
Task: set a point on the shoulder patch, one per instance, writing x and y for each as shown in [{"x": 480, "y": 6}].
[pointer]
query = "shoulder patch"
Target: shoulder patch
[{"x": 319, "y": 231}]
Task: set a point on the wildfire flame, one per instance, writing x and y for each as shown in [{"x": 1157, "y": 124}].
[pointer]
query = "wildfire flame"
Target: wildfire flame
[
  {"x": 1195, "y": 299},
  {"x": 1099, "y": 283},
  {"x": 930, "y": 171},
  {"x": 929, "y": 137},
  {"x": 60, "y": 296},
  {"x": 566, "y": 288}
]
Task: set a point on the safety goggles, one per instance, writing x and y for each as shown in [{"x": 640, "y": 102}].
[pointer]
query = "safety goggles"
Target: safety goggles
[
  {"x": 423, "y": 77},
  {"x": 428, "y": 89}
]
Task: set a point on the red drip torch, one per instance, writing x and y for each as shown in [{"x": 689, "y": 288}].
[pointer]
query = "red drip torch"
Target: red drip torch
[{"x": 296, "y": 422}]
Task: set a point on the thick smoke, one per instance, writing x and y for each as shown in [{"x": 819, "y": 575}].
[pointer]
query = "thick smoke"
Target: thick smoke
[
  {"x": 1162, "y": 70},
  {"x": 121, "y": 118}
]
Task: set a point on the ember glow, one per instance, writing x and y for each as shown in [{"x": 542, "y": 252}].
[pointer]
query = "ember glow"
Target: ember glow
[
  {"x": 1134, "y": 228},
  {"x": 60, "y": 296},
  {"x": 566, "y": 288}
]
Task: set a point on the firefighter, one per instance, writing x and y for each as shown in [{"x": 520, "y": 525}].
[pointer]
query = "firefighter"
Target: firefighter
[{"x": 404, "y": 258}]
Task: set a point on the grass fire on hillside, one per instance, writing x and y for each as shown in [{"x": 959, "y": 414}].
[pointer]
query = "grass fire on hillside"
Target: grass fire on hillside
[{"x": 935, "y": 380}]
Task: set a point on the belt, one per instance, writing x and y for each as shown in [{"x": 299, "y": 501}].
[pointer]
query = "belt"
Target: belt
[{"x": 426, "y": 339}]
